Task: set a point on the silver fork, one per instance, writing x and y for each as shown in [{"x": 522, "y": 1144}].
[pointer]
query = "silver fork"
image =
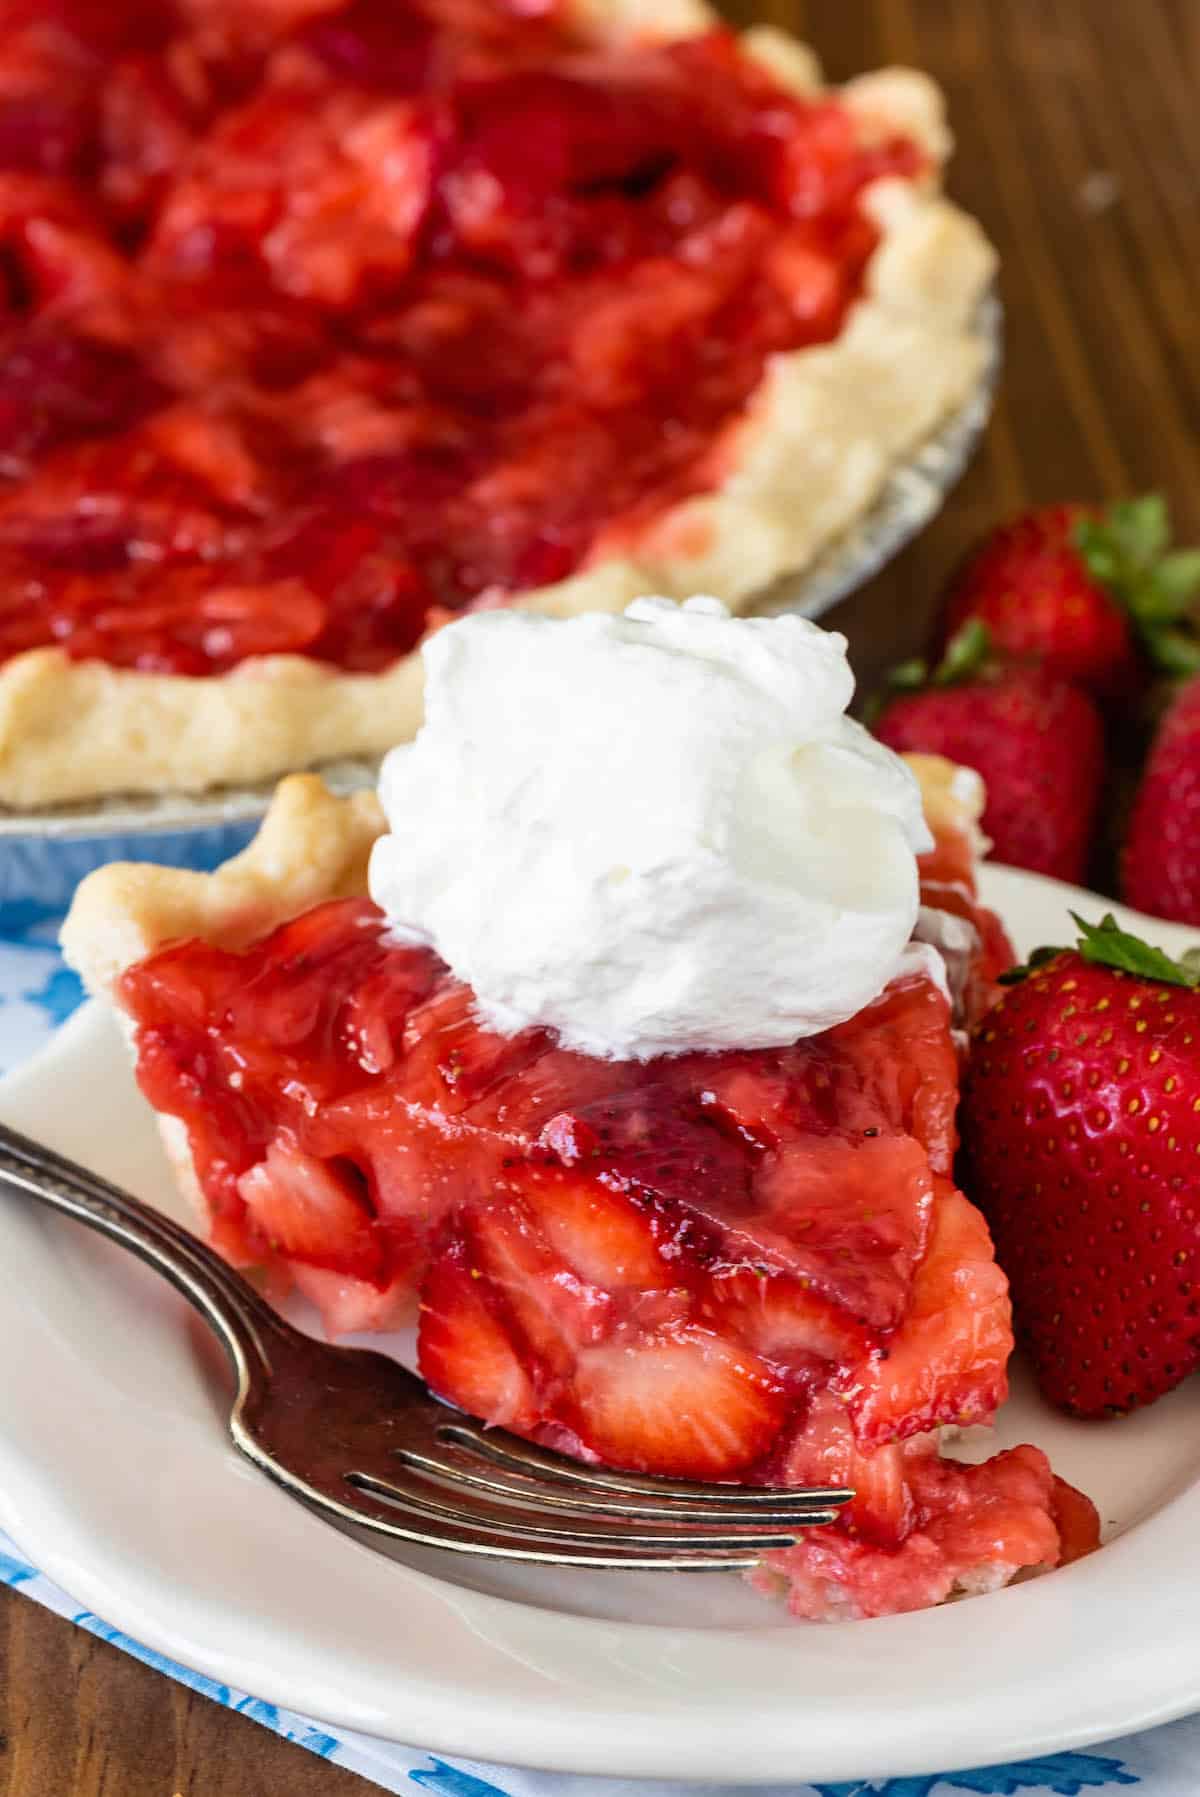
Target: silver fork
[{"x": 362, "y": 1441}]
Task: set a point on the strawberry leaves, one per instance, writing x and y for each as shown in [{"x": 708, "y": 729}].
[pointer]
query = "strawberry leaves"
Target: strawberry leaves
[
  {"x": 1127, "y": 550},
  {"x": 1129, "y": 537},
  {"x": 1106, "y": 944},
  {"x": 968, "y": 653},
  {"x": 1015, "y": 976}
]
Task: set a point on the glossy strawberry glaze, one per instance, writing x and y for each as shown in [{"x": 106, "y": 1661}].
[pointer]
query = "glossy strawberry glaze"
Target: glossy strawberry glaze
[
  {"x": 740, "y": 1265},
  {"x": 320, "y": 322}
]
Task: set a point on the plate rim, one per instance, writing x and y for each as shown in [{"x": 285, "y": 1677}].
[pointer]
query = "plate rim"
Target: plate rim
[{"x": 577, "y": 1740}]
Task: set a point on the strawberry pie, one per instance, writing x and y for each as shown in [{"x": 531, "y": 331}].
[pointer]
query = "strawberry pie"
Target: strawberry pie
[
  {"x": 325, "y": 321},
  {"x": 738, "y": 1263}
]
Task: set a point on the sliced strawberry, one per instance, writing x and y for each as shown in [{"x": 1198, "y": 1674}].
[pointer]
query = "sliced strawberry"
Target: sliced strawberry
[
  {"x": 814, "y": 166},
  {"x": 688, "y": 1404},
  {"x": 537, "y": 1101},
  {"x": 785, "y": 1320},
  {"x": 606, "y": 1236},
  {"x": 295, "y": 984},
  {"x": 812, "y": 283},
  {"x": 317, "y": 189},
  {"x": 146, "y": 133},
  {"x": 313, "y": 1211},
  {"x": 947, "y": 1361},
  {"x": 55, "y": 386},
  {"x": 895, "y": 1067},
  {"x": 371, "y": 1021},
  {"x": 450, "y": 1060},
  {"x": 44, "y": 133},
  {"x": 749, "y": 1099},
  {"x": 463, "y": 1350},
  {"x": 355, "y": 1306},
  {"x": 850, "y": 1215},
  {"x": 824, "y": 1450},
  {"x": 375, "y": 45},
  {"x": 419, "y": 1167},
  {"x": 552, "y": 1311},
  {"x": 614, "y": 355},
  {"x": 655, "y": 1139},
  {"x": 187, "y": 620}
]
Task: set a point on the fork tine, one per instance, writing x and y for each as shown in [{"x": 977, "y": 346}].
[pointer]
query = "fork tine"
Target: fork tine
[
  {"x": 456, "y": 1469},
  {"x": 524, "y": 1520},
  {"x": 408, "y": 1526},
  {"x": 540, "y": 1463},
  {"x": 482, "y": 1527},
  {"x": 388, "y": 1510}
]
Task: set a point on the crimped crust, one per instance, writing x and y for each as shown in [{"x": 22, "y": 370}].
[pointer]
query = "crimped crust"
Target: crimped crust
[
  {"x": 827, "y": 426},
  {"x": 79, "y": 729},
  {"x": 311, "y": 847}
]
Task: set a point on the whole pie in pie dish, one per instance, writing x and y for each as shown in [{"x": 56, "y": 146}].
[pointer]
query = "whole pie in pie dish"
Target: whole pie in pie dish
[
  {"x": 324, "y": 322},
  {"x": 745, "y": 1264}
]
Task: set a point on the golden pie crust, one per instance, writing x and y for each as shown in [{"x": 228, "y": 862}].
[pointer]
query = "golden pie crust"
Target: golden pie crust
[{"x": 808, "y": 458}]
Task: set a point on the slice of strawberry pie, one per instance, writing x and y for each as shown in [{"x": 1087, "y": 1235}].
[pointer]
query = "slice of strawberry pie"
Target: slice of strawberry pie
[{"x": 745, "y": 1264}]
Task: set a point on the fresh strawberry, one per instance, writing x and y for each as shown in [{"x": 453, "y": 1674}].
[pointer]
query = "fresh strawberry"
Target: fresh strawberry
[
  {"x": 1081, "y": 1128},
  {"x": 1037, "y": 741},
  {"x": 1089, "y": 595},
  {"x": 1160, "y": 862}
]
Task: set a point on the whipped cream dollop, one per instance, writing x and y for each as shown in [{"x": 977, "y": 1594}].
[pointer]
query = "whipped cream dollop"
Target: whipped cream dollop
[{"x": 651, "y": 832}]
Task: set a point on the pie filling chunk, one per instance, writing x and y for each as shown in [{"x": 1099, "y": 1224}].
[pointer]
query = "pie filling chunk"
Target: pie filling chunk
[
  {"x": 319, "y": 323},
  {"x": 748, "y": 1265}
]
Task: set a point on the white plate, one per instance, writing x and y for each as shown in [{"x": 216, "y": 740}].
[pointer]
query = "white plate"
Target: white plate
[{"x": 116, "y": 1479}]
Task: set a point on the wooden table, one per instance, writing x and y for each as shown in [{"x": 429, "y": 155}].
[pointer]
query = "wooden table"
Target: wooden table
[{"x": 1078, "y": 150}]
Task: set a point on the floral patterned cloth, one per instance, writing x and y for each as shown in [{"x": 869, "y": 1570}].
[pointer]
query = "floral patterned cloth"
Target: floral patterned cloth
[{"x": 36, "y": 993}]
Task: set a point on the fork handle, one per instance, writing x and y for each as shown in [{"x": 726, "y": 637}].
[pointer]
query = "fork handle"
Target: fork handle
[{"x": 242, "y": 1320}]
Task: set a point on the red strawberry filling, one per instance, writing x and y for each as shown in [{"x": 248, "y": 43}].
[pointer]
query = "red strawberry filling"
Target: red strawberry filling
[
  {"x": 452, "y": 298},
  {"x": 740, "y": 1265}
]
